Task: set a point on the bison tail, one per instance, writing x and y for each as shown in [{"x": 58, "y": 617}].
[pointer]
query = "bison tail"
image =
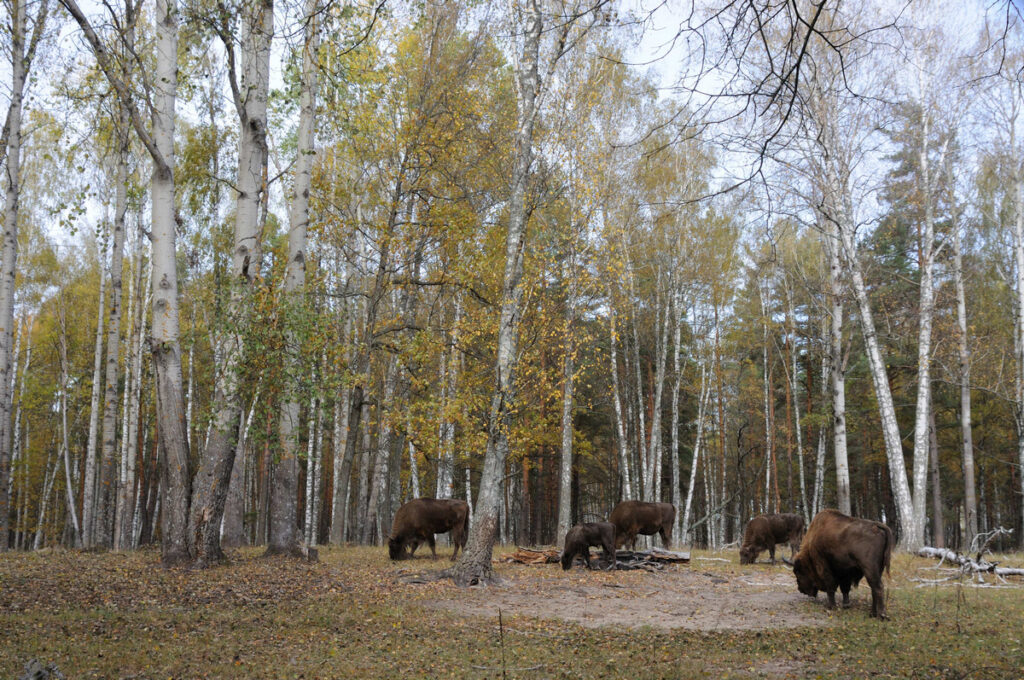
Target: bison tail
[{"x": 887, "y": 555}]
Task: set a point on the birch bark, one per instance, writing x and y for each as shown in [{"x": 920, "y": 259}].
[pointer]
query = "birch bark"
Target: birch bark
[
  {"x": 964, "y": 360},
  {"x": 283, "y": 512},
  {"x": 89, "y": 471},
  {"x": 214, "y": 475},
  {"x": 474, "y": 564}
]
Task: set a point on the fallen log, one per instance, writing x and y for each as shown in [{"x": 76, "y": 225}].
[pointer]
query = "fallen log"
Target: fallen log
[
  {"x": 648, "y": 560},
  {"x": 534, "y": 555},
  {"x": 966, "y": 563}
]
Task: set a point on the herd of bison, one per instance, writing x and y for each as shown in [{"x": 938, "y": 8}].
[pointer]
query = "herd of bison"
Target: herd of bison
[{"x": 836, "y": 551}]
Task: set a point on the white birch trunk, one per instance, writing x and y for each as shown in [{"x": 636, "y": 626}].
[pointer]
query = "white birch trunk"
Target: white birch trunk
[
  {"x": 16, "y": 446},
  {"x": 9, "y": 255},
  {"x": 678, "y": 530},
  {"x": 50, "y": 474},
  {"x": 565, "y": 468},
  {"x": 924, "y": 343},
  {"x": 342, "y": 470},
  {"x": 1018, "y": 249},
  {"x": 964, "y": 357},
  {"x": 620, "y": 426},
  {"x": 653, "y": 481},
  {"x": 165, "y": 325},
  {"x": 214, "y": 475},
  {"x": 89, "y": 487},
  {"x": 702, "y": 402},
  {"x": 474, "y": 563},
  {"x": 69, "y": 486},
  {"x": 911, "y": 537},
  {"x": 794, "y": 383},
  {"x": 837, "y": 372},
  {"x": 283, "y": 518}
]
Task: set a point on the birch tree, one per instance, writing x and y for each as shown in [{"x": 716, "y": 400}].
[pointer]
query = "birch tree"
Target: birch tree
[
  {"x": 284, "y": 525},
  {"x": 21, "y": 64}
]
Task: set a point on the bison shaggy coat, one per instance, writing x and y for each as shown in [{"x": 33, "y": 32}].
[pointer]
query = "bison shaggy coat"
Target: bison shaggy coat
[
  {"x": 764, "y": 531},
  {"x": 636, "y": 517},
  {"x": 421, "y": 518},
  {"x": 837, "y": 551},
  {"x": 579, "y": 539}
]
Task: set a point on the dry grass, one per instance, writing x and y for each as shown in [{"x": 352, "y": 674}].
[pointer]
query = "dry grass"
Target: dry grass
[{"x": 120, "y": 616}]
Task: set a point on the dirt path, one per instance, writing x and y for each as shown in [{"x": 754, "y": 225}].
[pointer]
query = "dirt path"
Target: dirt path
[{"x": 738, "y": 598}]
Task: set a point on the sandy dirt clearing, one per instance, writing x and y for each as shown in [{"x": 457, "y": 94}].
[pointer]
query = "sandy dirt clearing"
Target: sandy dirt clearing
[{"x": 753, "y": 597}]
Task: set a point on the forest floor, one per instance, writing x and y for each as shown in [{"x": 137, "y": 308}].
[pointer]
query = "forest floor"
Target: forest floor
[{"x": 352, "y": 616}]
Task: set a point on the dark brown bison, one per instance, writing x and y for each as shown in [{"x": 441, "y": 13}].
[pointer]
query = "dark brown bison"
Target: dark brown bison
[
  {"x": 764, "y": 531},
  {"x": 579, "y": 539},
  {"x": 837, "y": 551},
  {"x": 421, "y": 518},
  {"x": 636, "y": 517}
]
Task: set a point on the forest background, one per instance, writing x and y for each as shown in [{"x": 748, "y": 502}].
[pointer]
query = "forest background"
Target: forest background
[{"x": 788, "y": 276}]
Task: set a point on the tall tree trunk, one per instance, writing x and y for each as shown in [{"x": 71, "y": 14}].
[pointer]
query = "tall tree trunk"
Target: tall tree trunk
[
  {"x": 89, "y": 484},
  {"x": 938, "y": 522},
  {"x": 794, "y": 389},
  {"x": 214, "y": 475},
  {"x": 49, "y": 475},
  {"x": 620, "y": 426},
  {"x": 103, "y": 530},
  {"x": 342, "y": 470},
  {"x": 449, "y": 383},
  {"x": 964, "y": 357},
  {"x": 9, "y": 256},
  {"x": 678, "y": 530},
  {"x": 565, "y": 467},
  {"x": 926, "y": 266},
  {"x": 702, "y": 405},
  {"x": 284, "y": 525},
  {"x": 910, "y": 536},
  {"x": 1018, "y": 249},
  {"x": 164, "y": 343},
  {"x": 233, "y": 529},
  {"x": 378, "y": 484},
  {"x": 837, "y": 372},
  {"x": 474, "y": 564},
  {"x": 65, "y": 444}
]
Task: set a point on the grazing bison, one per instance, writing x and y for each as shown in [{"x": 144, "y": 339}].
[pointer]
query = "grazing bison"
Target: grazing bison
[
  {"x": 421, "y": 518},
  {"x": 837, "y": 551},
  {"x": 579, "y": 539},
  {"x": 765, "y": 531},
  {"x": 636, "y": 517}
]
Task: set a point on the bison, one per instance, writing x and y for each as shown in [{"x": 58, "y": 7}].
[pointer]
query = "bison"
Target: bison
[
  {"x": 765, "y": 531},
  {"x": 421, "y": 518},
  {"x": 837, "y": 551},
  {"x": 636, "y": 517},
  {"x": 579, "y": 539}
]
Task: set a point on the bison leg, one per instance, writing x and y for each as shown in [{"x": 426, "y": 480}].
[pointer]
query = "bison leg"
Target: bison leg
[
  {"x": 457, "y": 542},
  {"x": 413, "y": 544},
  {"x": 878, "y": 601},
  {"x": 433, "y": 547},
  {"x": 831, "y": 595},
  {"x": 664, "y": 538},
  {"x": 771, "y": 552},
  {"x": 609, "y": 554},
  {"x": 586, "y": 557},
  {"x": 845, "y": 587}
]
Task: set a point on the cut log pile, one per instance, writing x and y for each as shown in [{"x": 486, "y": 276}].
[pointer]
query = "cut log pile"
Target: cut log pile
[{"x": 648, "y": 560}]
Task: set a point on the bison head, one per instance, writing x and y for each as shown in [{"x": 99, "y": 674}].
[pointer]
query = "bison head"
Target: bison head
[
  {"x": 747, "y": 555},
  {"x": 567, "y": 556},
  {"x": 394, "y": 549},
  {"x": 805, "y": 582}
]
